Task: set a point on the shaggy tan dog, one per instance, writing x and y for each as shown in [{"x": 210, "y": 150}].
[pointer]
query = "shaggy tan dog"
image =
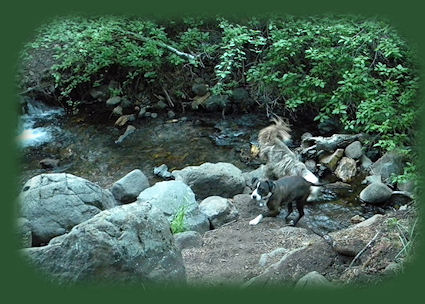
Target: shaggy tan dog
[{"x": 281, "y": 161}]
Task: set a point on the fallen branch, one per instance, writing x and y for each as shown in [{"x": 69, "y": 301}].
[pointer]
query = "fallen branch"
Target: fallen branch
[
  {"x": 170, "y": 101},
  {"x": 364, "y": 249},
  {"x": 161, "y": 44}
]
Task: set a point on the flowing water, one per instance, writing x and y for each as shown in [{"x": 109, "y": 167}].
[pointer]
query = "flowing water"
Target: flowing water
[{"x": 87, "y": 148}]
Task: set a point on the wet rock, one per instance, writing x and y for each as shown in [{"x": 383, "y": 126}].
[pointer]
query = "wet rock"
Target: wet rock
[
  {"x": 54, "y": 203},
  {"x": 313, "y": 280},
  {"x": 129, "y": 187},
  {"x": 113, "y": 101},
  {"x": 170, "y": 197},
  {"x": 390, "y": 163},
  {"x": 331, "y": 161},
  {"x": 376, "y": 193},
  {"x": 346, "y": 169},
  {"x": 130, "y": 129},
  {"x": 49, "y": 163},
  {"x": 24, "y": 232},
  {"x": 222, "y": 179},
  {"x": 354, "y": 150},
  {"x": 188, "y": 239},
  {"x": 311, "y": 165},
  {"x": 365, "y": 162},
  {"x": 219, "y": 210},
  {"x": 162, "y": 171},
  {"x": 130, "y": 243}
]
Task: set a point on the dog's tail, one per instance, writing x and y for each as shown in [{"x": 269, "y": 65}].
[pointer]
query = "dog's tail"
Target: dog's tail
[{"x": 279, "y": 130}]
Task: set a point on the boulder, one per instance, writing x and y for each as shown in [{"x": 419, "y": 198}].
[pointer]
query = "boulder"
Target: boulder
[
  {"x": 366, "y": 162},
  {"x": 313, "y": 280},
  {"x": 390, "y": 163},
  {"x": 129, "y": 187},
  {"x": 219, "y": 210},
  {"x": 24, "y": 232},
  {"x": 170, "y": 197},
  {"x": 130, "y": 243},
  {"x": 376, "y": 193},
  {"x": 354, "y": 150},
  {"x": 346, "y": 169},
  {"x": 331, "y": 161},
  {"x": 209, "y": 179},
  {"x": 188, "y": 239},
  {"x": 54, "y": 203}
]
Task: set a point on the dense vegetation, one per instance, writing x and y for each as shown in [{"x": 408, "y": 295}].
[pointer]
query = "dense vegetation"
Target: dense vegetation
[{"x": 358, "y": 72}]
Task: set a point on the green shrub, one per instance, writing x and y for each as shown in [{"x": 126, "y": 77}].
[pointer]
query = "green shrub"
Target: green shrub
[{"x": 177, "y": 224}]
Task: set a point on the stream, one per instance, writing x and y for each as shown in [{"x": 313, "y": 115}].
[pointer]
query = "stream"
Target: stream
[{"x": 86, "y": 148}]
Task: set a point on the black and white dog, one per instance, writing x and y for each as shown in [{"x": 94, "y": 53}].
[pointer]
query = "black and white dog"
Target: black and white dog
[{"x": 276, "y": 194}]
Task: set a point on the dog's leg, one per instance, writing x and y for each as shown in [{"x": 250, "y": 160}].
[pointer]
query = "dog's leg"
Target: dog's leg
[
  {"x": 270, "y": 213},
  {"x": 289, "y": 211},
  {"x": 300, "y": 208}
]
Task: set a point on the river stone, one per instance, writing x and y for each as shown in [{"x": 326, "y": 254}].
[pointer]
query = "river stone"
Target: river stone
[
  {"x": 346, "y": 169},
  {"x": 376, "y": 193},
  {"x": 331, "y": 161},
  {"x": 129, "y": 243},
  {"x": 129, "y": 187},
  {"x": 219, "y": 210},
  {"x": 128, "y": 131},
  {"x": 390, "y": 163},
  {"x": 313, "y": 280},
  {"x": 113, "y": 101},
  {"x": 54, "y": 203},
  {"x": 354, "y": 150},
  {"x": 24, "y": 232},
  {"x": 208, "y": 179},
  {"x": 188, "y": 239},
  {"x": 170, "y": 197}
]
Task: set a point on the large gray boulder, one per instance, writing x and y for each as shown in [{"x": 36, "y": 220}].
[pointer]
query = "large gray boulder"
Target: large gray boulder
[
  {"x": 129, "y": 187},
  {"x": 209, "y": 179},
  {"x": 376, "y": 193},
  {"x": 390, "y": 163},
  {"x": 54, "y": 203},
  {"x": 219, "y": 210},
  {"x": 129, "y": 243},
  {"x": 354, "y": 150},
  {"x": 170, "y": 197}
]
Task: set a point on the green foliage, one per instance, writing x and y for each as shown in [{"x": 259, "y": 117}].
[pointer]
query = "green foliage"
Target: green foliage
[{"x": 177, "y": 224}]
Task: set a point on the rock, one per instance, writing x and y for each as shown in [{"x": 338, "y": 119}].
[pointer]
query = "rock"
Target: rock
[
  {"x": 54, "y": 203},
  {"x": 365, "y": 161},
  {"x": 130, "y": 129},
  {"x": 117, "y": 111},
  {"x": 219, "y": 210},
  {"x": 97, "y": 93},
  {"x": 162, "y": 171},
  {"x": 222, "y": 179},
  {"x": 376, "y": 193},
  {"x": 142, "y": 112},
  {"x": 351, "y": 240},
  {"x": 372, "y": 179},
  {"x": 331, "y": 161},
  {"x": 408, "y": 186},
  {"x": 330, "y": 144},
  {"x": 311, "y": 165},
  {"x": 346, "y": 169},
  {"x": 354, "y": 150},
  {"x": 318, "y": 256},
  {"x": 390, "y": 163},
  {"x": 123, "y": 120},
  {"x": 130, "y": 243},
  {"x": 171, "y": 114},
  {"x": 24, "y": 232},
  {"x": 200, "y": 89},
  {"x": 113, "y": 101},
  {"x": 129, "y": 187},
  {"x": 170, "y": 197},
  {"x": 49, "y": 163},
  {"x": 154, "y": 115},
  {"x": 259, "y": 173},
  {"x": 357, "y": 219},
  {"x": 126, "y": 104},
  {"x": 160, "y": 105},
  {"x": 313, "y": 280},
  {"x": 188, "y": 239},
  {"x": 266, "y": 257}
]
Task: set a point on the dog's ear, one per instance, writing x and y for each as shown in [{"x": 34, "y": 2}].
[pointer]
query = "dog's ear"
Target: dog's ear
[
  {"x": 254, "y": 181},
  {"x": 271, "y": 185}
]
